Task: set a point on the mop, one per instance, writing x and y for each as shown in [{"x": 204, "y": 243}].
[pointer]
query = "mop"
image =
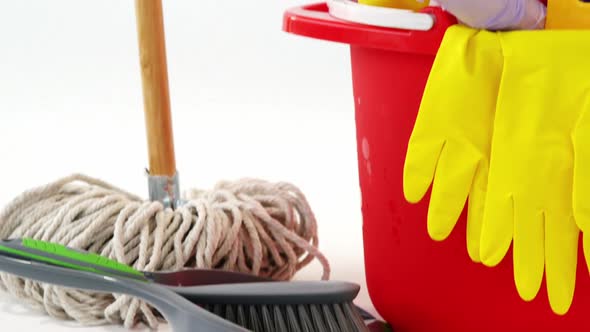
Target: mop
[{"x": 250, "y": 225}]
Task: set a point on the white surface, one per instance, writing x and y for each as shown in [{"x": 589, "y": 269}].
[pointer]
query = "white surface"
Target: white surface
[
  {"x": 380, "y": 16},
  {"x": 248, "y": 100}
]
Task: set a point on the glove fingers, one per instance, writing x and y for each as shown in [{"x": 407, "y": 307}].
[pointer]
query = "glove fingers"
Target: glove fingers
[
  {"x": 419, "y": 167},
  {"x": 497, "y": 228},
  {"x": 439, "y": 117},
  {"x": 452, "y": 184},
  {"x": 561, "y": 255},
  {"x": 528, "y": 251},
  {"x": 581, "y": 183},
  {"x": 475, "y": 210}
]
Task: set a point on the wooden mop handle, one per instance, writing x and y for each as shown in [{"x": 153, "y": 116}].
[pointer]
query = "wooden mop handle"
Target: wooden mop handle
[{"x": 156, "y": 97}]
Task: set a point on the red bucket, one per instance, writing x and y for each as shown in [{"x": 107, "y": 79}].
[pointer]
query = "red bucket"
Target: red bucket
[{"x": 415, "y": 283}]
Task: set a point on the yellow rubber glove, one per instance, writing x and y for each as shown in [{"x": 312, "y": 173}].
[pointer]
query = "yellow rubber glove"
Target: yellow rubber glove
[
  {"x": 545, "y": 87},
  {"x": 581, "y": 141},
  {"x": 450, "y": 143}
]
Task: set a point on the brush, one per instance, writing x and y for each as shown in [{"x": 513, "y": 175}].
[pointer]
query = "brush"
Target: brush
[{"x": 265, "y": 306}]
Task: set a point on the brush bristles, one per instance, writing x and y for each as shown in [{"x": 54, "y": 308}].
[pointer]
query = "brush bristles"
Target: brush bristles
[{"x": 340, "y": 317}]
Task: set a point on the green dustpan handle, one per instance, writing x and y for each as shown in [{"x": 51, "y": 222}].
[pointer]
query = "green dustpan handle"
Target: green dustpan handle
[
  {"x": 184, "y": 316},
  {"x": 59, "y": 255}
]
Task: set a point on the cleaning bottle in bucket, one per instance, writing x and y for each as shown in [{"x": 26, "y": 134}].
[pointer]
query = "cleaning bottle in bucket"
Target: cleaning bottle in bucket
[
  {"x": 499, "y": 14},
  {"x": 399, "y": 4}
]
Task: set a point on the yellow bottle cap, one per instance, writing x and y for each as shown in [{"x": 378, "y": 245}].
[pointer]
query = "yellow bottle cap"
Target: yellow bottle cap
[
  {"x": 568, "y": 14},
  {"x": 399, "y": 4}
]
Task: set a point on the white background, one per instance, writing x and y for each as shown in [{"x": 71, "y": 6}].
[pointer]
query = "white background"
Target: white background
[{"x": 247, "y": 98}]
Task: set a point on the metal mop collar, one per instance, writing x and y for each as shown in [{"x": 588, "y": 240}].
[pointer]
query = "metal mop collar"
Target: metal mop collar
[{"x": 250, "y": 225}]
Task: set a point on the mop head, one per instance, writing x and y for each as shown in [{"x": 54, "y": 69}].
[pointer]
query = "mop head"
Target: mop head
[{"x": 252, "y": 226}]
